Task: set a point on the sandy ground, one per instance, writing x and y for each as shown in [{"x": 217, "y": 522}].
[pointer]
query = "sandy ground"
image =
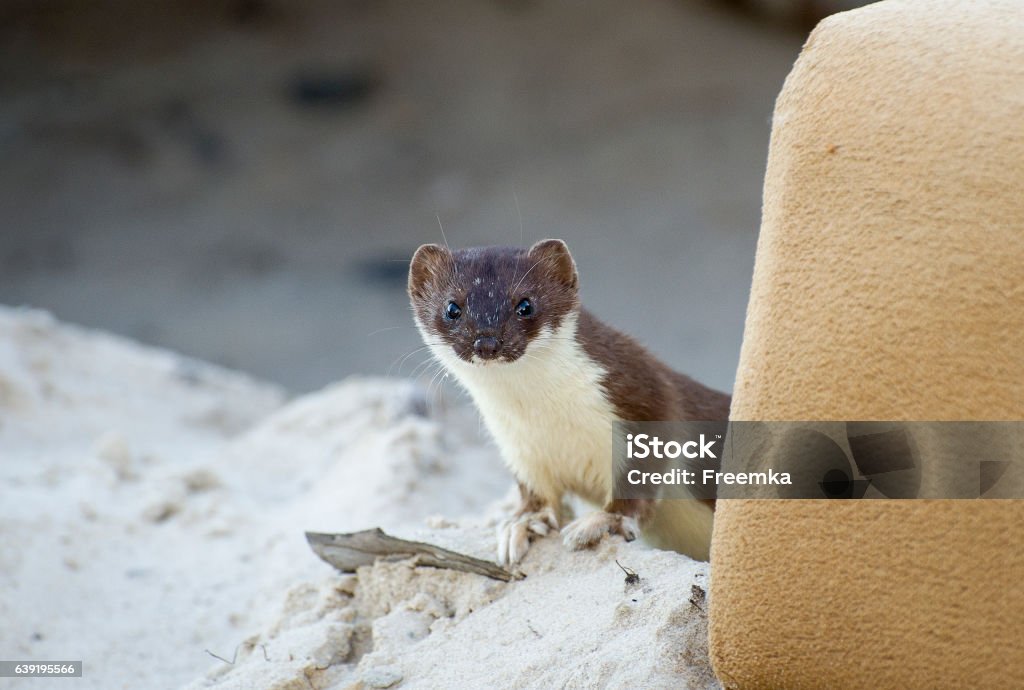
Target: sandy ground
[
  {"x": 152, "y": 507},
  {"x": 159, "y": 178}
]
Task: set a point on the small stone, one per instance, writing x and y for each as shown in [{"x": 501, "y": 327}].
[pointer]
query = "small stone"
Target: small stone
[
  {"x": 201, "y": 480},
  {"x": 440, "y": 522},
  {"x": 382, "y": 676},
  {"x": 347, "y": 584},
  {"x": 112, "y": 448},
  {"x": 161, "y": 511},
  {"x": 336, "y": 646}
]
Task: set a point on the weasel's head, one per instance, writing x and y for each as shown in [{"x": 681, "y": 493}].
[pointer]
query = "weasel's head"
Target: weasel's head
[{"x": 488, "y": 304}]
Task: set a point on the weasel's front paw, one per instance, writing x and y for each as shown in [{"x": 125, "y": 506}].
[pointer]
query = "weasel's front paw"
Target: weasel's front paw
[
  {"x": 515, "y": 534},
  {"x": 589, "y": 529}
]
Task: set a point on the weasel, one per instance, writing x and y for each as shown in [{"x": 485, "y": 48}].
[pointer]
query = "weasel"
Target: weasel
[{"x": 549, "y": 380}]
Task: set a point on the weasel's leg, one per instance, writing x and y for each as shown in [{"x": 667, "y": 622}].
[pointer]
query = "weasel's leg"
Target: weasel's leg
[
  {"x": 534, "y": 517},
  {"x": 622, "y": 516}
]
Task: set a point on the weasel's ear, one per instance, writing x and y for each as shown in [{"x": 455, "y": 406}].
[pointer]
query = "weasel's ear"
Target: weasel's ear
[
  {"x": 555, "y": 254},
  {"x": 430, "y": 265}
]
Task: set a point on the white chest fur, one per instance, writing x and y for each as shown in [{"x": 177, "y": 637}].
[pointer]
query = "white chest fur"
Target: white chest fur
[{"x": 548, "y": 414}]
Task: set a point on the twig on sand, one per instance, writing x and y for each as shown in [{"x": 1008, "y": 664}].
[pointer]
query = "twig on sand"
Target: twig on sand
[
  {"x": 347, "y": 552},
  {"x": 632, "y": 577},
  {"x": 218, "y": 656},
  {"x": 234, "y": 657}
]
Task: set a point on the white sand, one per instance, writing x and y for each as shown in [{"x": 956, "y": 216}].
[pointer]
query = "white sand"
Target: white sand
[{"x": 153, "y": 507}]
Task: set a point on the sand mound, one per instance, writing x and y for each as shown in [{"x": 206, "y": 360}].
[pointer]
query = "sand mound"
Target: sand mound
[{"x": 153, "y": 507}]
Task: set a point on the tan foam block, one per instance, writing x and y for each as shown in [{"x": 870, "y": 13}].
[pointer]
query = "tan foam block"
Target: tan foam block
[{"x": 889, "y": 284}]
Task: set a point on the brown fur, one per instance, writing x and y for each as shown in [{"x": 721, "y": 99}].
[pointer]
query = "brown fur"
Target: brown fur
[
  {"x": 640, "y": 386},
  {"x": 544, "y": 274}
]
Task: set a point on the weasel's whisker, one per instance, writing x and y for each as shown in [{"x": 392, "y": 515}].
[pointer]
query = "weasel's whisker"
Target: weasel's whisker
[
  {"x": 422, "y": 366},
  {"x": 520, "y": 215},
  {"x": 427, "y": 370},
  {"x": 389, "y": 328},
  {"x": 406, "y": 356},
  {"x": 455, "y": 267},
  {"x": 537, "y": 263},
  {"x": 442, "y": 373}
]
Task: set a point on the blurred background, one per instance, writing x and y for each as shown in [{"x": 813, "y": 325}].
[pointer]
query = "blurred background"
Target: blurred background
[{"x": 244, "y": 181}]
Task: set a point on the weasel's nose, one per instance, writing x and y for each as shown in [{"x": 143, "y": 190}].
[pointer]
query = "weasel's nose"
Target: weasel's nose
[{"x": 486, "y": 346}]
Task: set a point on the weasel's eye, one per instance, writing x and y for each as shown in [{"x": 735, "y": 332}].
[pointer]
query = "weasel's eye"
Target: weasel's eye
[
  {"x": 453, "y": 311},
  {"x": 524, "y": 308}
]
